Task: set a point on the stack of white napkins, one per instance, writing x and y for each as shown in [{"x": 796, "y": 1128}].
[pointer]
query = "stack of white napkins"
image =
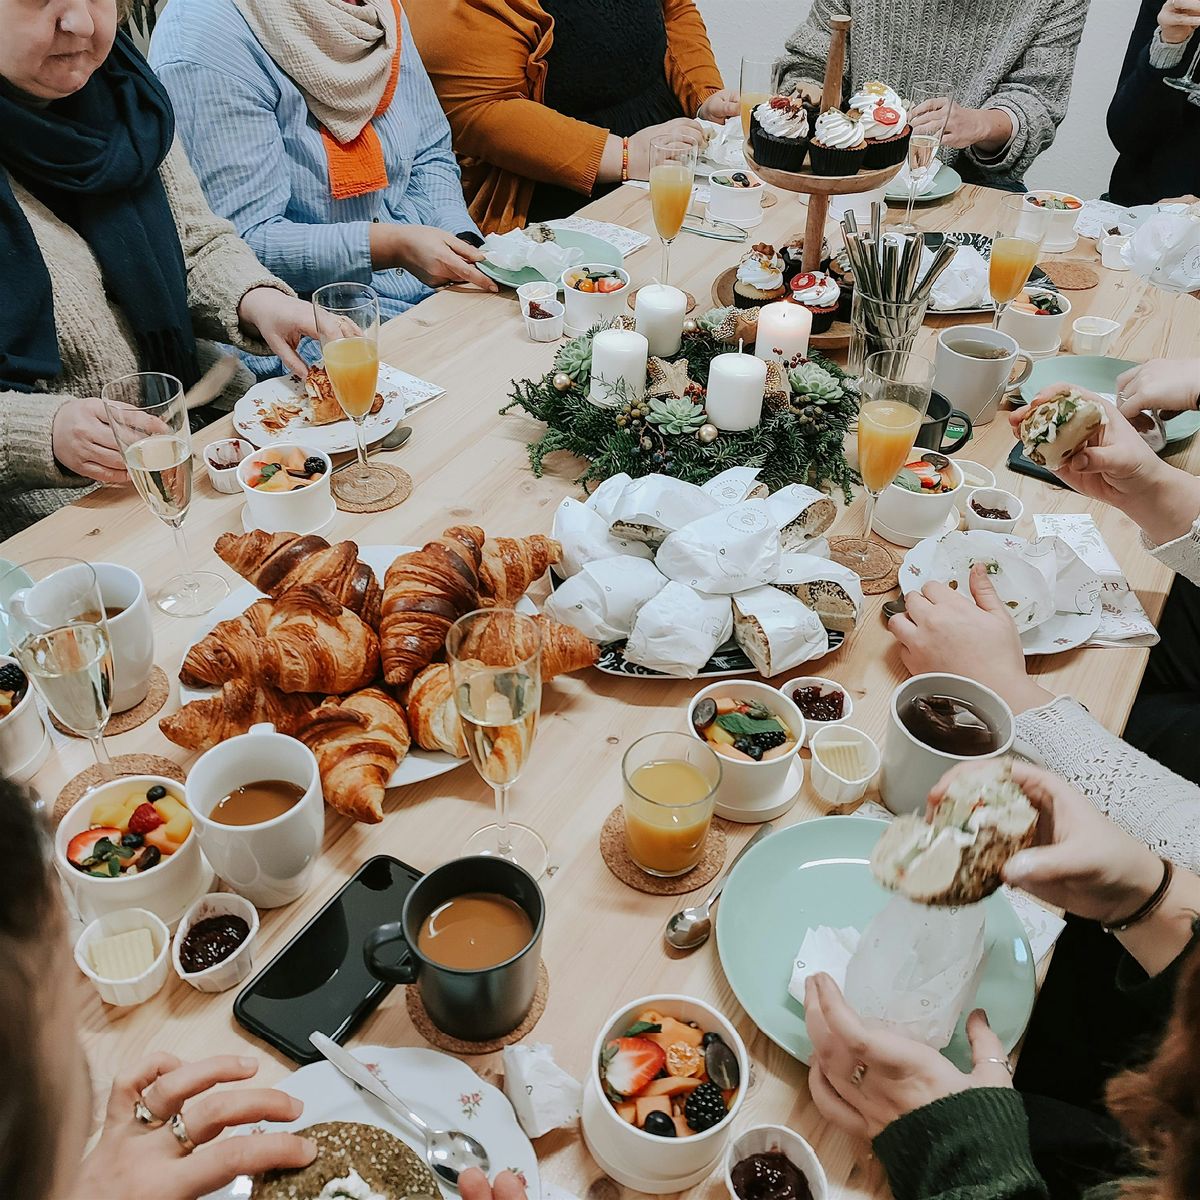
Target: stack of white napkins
[
  {"x": 963, "y": 284},
  {"x": 926, "y": 177}
]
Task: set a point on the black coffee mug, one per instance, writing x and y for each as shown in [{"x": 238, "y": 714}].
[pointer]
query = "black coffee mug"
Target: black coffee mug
[
  {"x": 932, "y": 433},
  {"x": 479, "y": 1004}
]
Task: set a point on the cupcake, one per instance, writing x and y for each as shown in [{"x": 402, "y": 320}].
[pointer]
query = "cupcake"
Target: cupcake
[
  {"x": 793, "y": 258},
  {"x": 779, "y": 133},
  {"x": 838, "y": 146},
  {"x": 759, "y": 277},
  {"x": 820, "y": 294},
  {"x": 885, "y": 124},
  {"x": 843, "y": 275}
]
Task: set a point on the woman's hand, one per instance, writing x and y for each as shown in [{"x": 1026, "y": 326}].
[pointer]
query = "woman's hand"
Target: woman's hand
[
  {"x": 282, "y": 321},
  {"x": 473, "y": 1185},
  {"x": 895, "y": 1075},
  {"x": 1168, "y": 385},
  {"x": 942, "y": 629},
  {"x": 152, "y": 1164},
  {"x": 434, "y": 256},
  {"x": 987, "y": 128},
  {"x": 720, "y": 106},
  {"x": 1178, "y": 20},
  {"x": 681, "y": 129},
  {"x": 82, "y": 441}
]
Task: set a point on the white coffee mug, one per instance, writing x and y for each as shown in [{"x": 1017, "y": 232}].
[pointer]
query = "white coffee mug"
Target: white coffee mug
[
  {"x": 910, "y": 768},
  {"x": 130, "y": 632},
  {"x": 976, "y": 385},
  {"x": 269, "y": 863}
]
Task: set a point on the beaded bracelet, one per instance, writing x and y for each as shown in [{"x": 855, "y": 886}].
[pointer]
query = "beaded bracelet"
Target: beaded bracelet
[
  {"x": 624, "y": 160},
  {"x": 1140, "y": 914}
]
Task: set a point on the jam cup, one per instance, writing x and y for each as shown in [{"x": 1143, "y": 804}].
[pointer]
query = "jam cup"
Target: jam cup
[{"x": 235, "y": 967}]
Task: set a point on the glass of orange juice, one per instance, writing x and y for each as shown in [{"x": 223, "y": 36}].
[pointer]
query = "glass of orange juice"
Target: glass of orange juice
[
  {"x": 671, "y": 782},
  {"x": 672, "y": 172},
  {"x": 347, "y": 318},
  {"x": 1015, "y": 250},
  {"x": 757, "y": 83}
]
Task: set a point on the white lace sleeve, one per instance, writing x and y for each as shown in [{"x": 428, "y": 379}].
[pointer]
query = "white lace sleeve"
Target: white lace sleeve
[
  {"x": 1182, "y": 555},
  {"x": 1157, "y": 806}
]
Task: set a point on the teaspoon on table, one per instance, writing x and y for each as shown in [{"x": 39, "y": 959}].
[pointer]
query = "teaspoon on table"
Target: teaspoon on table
[
  {"x": 690, "y": 928},
  {"x": 449, "y": 1152},
  {"x": 393, "y": 441}
]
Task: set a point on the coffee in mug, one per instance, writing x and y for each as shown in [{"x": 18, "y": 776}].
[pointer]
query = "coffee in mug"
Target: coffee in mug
[
  {"x": 479, "y": 929},
  {"x": 254, "y": 803},
  {"x": 975, "y": 367}
]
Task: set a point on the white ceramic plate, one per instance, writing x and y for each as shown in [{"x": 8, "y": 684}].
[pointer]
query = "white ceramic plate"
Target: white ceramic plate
[
  {"x": 446, "y": 1092},
  {"x": 1063, "y": 631}
]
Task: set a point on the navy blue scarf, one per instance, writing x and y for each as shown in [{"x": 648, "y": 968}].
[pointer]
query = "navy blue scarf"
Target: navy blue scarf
[{"x": 93, "y": 160}]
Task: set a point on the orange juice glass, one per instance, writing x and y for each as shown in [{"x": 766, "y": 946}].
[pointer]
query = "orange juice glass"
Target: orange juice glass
[
  {"x": 353, "y": 366},
  {"x": 757, "y": 82},
  {"x": 1015, "y": 248},
  {"x": 672, "y": 172},
  {"x": 886, "y": 432}
]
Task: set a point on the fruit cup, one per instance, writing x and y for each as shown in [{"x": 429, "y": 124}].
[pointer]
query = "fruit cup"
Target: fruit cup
[
  {"x": 24, "y": 743},
  {"x": 302, "y": 510},
  {"x": 587, "y": 308}
]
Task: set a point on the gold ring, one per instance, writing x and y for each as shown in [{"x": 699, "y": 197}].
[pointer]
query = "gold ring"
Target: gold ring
[
  {"x": 143, "y": 1116},
  {"x": 856, "y": 1076},
  {"x": 179, "y": 1129}
]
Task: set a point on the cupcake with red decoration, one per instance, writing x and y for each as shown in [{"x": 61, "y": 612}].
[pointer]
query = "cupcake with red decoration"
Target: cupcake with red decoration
[
  {"x": 779, "y": 133},
  {"x": 838, "y": 145},
  {"x": 885, "y": 124},
  {"x": 819, "y": 293}
]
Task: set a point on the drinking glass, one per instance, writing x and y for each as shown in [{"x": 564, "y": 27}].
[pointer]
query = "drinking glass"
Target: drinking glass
[
  {"x": 896, "y": 385},
  {"x": 59, "y": 632},
  {"x": 757, "y": 83},
  {"x": 881, "y": 325},
  {"x": 149, "y": 419},
  {"x": 1189, "y": 81},
  {"x": 672, "y": 172},
  {"x": 495, "y": 667},
  {"x": 1015, "y": 250},
  {"x": 923, "y": 147},
  {"x": 347, "y": 317},
  {"x": 671, "y": 782}
]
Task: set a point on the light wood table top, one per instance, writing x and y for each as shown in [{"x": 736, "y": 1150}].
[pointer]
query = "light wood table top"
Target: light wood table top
[{"x": 603, "y": 942}]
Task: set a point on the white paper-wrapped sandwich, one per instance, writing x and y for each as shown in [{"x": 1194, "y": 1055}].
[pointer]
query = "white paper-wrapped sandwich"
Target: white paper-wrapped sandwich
[
  {"x": 679, "y": 630},
  {"x": 776, "y": 631},
  {"x": 603, "y": 598},
  {"x": 1057, "y": 427},
  {"x": 801, "y": 513},
  {"x": 956, "y": 853},
  {"x": 650, "y": 508},
  {"x": 832, "y": 591}
]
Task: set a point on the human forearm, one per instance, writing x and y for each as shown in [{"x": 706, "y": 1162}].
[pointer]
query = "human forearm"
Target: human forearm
[
  {"x": 997, "y": 130},
  {"x": 1158, "y": 941},
  {"x": 26, "y": 432},
  {"x": 1167, "y": 506}
]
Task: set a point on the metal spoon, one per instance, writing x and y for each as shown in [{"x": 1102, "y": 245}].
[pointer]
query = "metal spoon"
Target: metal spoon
[
  {"x": 449, "y": 1152},
  {"x": 690, "y": 928},
  {"x": 393, "y": 441}
]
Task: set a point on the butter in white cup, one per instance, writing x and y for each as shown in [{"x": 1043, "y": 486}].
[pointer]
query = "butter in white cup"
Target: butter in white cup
[
  {"x": 841, "y": 787},
  {"x": 138, "y": 989}
]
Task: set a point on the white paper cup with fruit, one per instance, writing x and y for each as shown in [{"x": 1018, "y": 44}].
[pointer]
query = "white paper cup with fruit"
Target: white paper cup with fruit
[
  {"x": 736, "y": 197},
  {"x": 285, "y": 493},
  {"x": 773, "y": 1142},
  {"x": 761, "y": 771},
  {"x": 844, "y": 761},
  {"x": 620, "y": 1133},
  {"x": 24, "y": 742},
  {"x": 125, "y": 955},
  {"x": 1036, "y": 318},
  {"x": 821, "y": 702},
  {"x": 593, "y": 292},
  {"x": 140, "y": 826},
  {"x": 1059, "y": 211},
  {"x": 213, "y": 948}
]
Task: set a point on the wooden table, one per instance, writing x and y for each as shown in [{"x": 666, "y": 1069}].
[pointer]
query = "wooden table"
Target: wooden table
[{"x": 603, "y": 941}]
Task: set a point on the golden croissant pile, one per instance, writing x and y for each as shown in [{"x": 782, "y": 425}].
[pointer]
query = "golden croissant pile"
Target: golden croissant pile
[{"x": 350, "y": 667}]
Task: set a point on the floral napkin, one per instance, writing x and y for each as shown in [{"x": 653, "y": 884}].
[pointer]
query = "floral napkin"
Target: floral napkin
[{"x": 626, "y": 240}]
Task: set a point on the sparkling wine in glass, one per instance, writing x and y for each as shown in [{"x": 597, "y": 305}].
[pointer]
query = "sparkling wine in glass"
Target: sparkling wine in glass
[
  {"x": 923, "y": 147},
  {"x": 1189, "y": 81},
  {"x": 672, "y": 173},
  {"x": 149, "y": 419},
  {"x": 1015, "y": 250},
  {"x": 495, "y": 667},
  {"x": 757, "y": 83},
  {"x": 59, "y": 632}
]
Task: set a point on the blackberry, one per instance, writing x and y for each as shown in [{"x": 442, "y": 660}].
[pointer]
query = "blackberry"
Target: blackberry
[
  {"x": 705, "y": 1107},
  {"x": 314, "y": 466},
  {"x": 12, "y": 678},
  {"x": 768, "y": 741}
]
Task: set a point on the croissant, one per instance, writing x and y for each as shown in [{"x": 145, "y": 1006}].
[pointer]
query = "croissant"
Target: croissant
[
  {"x": 510, "y": 565},
  {"x": 358, "y": 740},
  {"x": 230, "y": 650},
  {"x": 313, "y": 644},
  {"x": 424, "y": 593},
  {"x": 432, "y": 714},
  {"x": 500, "y": 643},
  {"x": 274, "y": 562},
  {"x": 565, "y": 649},
  {"x": 201, "y": 724}
]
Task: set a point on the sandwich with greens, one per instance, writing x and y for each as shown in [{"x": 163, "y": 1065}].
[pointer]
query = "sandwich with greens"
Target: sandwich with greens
[{"x": 1058, "y": 426}]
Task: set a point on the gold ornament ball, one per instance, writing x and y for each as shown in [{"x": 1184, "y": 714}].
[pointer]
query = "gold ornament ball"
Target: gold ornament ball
[
  {"x": 562, "y": 381},
  {"x": 691, "y": 325},
  {"x": 707, "y": 434}
]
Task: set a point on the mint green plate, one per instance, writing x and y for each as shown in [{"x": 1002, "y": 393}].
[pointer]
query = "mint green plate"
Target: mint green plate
[
  {"x": 945, "y": 183},
  {"x": 595, "y": 250},
  {"x": 8, "y": 585},
  {"x": 817, "y": 873},
  {"x": 1098, "y": 375}
]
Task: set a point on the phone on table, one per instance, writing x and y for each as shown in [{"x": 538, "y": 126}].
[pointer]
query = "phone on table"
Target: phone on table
[
  {"x": 1022, "y": 464},
  {"x": 319, "y": 980}
]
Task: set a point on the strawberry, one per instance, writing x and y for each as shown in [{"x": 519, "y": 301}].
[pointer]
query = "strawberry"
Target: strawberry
[
  {"x": 610, "y": 284},
  {"x": 79, "y": 848},
  {"x": 145, "y": 818},
  {"x": 628, "y": 1064}
]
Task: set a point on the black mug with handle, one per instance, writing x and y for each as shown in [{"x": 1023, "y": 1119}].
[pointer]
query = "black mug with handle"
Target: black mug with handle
[
  {"x": 932, "y": 433},
  {"x": 475, "y": 1004}
]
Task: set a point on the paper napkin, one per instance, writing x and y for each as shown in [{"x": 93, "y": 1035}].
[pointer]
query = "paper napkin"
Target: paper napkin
[
  {"x": 626, "y": 240},
  {"x": 542, "y": 1094},
  {"x": 823, "y": 949}
]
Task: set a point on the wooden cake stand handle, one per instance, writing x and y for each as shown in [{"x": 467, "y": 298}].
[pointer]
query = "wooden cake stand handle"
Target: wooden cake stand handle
[{"x": 831, "y": 97}]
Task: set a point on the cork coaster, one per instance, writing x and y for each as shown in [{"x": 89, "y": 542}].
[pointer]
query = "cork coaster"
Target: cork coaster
[
  {"x": 616, "y": 857},
  {"x": 691, "y": 301},
  {"x": 123, "y": 764},
  {"x": 879, "y": 574},
  {"x": 1073, "y": 276},
  {"x": 343, "y": 491},
  {"x": 443, "y": 1041},
  {"x": 131, "y": 718}
]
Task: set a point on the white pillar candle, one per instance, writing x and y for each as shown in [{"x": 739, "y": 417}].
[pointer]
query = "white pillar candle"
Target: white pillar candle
[
  {"x": 736, "y": 383},
  {"x": 618, "y": 356},
  {"x": 783, "y": 330},
  {"x": 658, "y": 313}
]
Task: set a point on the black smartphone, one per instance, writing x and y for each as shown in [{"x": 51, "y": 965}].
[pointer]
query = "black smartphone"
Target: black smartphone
[
  {"x": 319, "y": 980},
  {"x": 1023, "y": 465}
]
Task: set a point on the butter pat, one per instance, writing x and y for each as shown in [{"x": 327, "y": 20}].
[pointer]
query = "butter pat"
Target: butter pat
[
  {"x": 843, "y": 759},
  {"x": 124, "y": 955}
]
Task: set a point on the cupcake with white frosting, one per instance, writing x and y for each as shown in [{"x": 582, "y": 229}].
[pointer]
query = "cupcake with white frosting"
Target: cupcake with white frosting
[
  {"x": 819, "y": 293},
  {"x": 885, "y": 123},
  {"x": 838, "y": 145},
  {"x": 759, "y": 277},
  {"x": 779, "y": 133}
]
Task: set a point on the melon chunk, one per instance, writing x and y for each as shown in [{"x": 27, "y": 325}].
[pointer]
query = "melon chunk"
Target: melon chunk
[
  {"x": 649, "y": 1104},
  {"x": 628, "y": 1112},
  {"x": 671, "y": 1085}
]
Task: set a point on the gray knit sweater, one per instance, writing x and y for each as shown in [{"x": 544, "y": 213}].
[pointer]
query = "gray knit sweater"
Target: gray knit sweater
[
  {"x": 94, "y": 340},
  {"x": 1017, "y": 55}
]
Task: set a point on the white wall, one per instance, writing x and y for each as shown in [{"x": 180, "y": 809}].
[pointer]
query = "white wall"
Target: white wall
[{"x": 1081, "y": 157}]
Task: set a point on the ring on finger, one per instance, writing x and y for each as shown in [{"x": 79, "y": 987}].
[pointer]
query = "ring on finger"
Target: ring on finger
[
  {"x": 180, "y": 1133},
  {"x": 143, "y": 1116},
  {"x": 1003, "y": 1062},
  {"x": 859, "y": 1072}
]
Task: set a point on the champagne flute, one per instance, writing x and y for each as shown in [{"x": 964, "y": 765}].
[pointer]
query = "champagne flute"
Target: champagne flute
[
  {"x": 1189, "y": 81},
  {"x": 896, "y": 386},
  {"x": 672, "y": 172},
  {"x": 1015, "y": 250},
  {"x": 149, "y": 419},
  {"x": 59, "y": 632},
  {"x": 757, "y": 83},
  {"x": 347, "y": 316},
  {"x": 495, "y": 667},
  {"x": 923, "y": 147}
]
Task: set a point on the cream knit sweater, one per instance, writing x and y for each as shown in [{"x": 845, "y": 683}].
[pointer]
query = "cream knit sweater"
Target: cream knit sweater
[{"x": 94, "y": 340}]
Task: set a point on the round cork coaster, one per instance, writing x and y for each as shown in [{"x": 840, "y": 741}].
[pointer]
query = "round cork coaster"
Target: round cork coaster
[
  {"x": 1072, "y": 276},
  {"x": 123, "y": 764},
  {"x": 131, "y": 718},
  {"x": 879, "y": 574},
  {"x": 443, "y": 1041},
  {"x": 616, "y": 857},
  {"x": 344, "y": 491},
  {"x": 691, "y": 301}
]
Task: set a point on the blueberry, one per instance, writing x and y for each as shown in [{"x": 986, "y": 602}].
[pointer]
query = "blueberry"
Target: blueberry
[
  {"x": 659, "y": 1124},
  {"x": 743, "y": 744},
  {"x": 157, "y": 792},
  {"x": 132, "y": 840}
]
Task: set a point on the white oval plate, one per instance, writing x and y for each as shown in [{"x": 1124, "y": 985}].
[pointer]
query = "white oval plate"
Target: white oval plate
[
  {"x": 1063, "y": 631},
  {"x": 443, "y": 1090}
]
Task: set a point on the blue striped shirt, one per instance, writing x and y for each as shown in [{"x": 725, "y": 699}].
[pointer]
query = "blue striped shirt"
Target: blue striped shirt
[{"x": 261, "y": 161}]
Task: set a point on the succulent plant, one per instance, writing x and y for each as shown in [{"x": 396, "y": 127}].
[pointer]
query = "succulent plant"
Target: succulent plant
[
  {"x": 815, "y": 384},
  {"x": 676, "y": 415},
  {"x": 575, "y": 359}
]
